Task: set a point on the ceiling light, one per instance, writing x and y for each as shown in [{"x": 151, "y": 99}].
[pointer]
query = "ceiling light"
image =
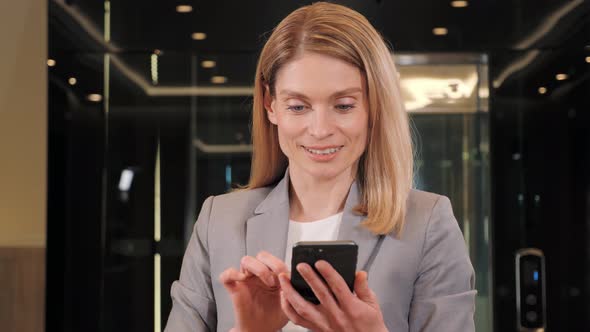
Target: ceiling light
[
  {"x": 561, "y": 77},
  {"x": 208, "y": 64},
  {"x": 588, "y": 59},
  {"x": 218, "y": 79},
  {"x": 459, "y": 4},
  {"x": 199, "y": 35},
  {"x": 50, "y": 62},
  {"x": 542, "y": 90},
  {"x": 95, "y": 97},
  {"x": 440, "y": 31},
  {"x": 184, "y": 8},
  {"x": 72, "y": 81}
]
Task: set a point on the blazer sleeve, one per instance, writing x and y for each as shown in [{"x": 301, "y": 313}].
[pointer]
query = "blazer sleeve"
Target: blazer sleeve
[
  {"x": 444, "y": 295},
  {"x": 193, "y": 305}
]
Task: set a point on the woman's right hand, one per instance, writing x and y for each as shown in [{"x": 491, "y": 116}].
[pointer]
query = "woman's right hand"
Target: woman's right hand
[{"x": 255, "y": 293}]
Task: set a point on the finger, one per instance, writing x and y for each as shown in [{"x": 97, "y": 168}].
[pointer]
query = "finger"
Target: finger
[
  {"x": 319, "y": 288},
  {"x": 293, "y": 316},
  {"x": 257, "y": 268},
  {"x": 275, "y": 264},
  {"x": 229, "y": 277},
  {"x": 334, "y": 281},
  {"x": 300, "y": 311},
  {"x": 361, "y": 287},
  {"x": 301, "y": 306}
]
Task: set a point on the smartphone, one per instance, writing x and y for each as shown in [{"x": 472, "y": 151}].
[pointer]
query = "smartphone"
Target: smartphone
[{"x": 342, "y": 255}]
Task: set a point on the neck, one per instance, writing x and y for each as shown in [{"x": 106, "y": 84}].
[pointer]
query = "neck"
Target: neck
[{"x": 313, "y": 199}]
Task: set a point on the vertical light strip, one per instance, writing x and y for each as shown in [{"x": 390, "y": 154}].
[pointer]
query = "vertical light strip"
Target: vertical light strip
[
  {"x": 107, "y": 21},
  {"x": 107, "y": 57},
  {"x": 191, "y": 187},
  {"x": 154, "y": 68},
  {"x": 157, "y": 299},
  {"x": 228, "y": 176},
  {"x": 467, "y": 190},
  {"x": 104, "y": 180},
  {"x": 157, "y": 223},
  {"x": 157, "y": 237}
]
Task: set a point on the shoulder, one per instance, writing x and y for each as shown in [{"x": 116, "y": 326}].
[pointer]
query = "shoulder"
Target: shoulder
[
  {"x": 426, "y": 211},
  {"x": 241, "y": 200},
  {"x": 422, "y": 201},
  {"x": 235, "y": 206},
  {"x": 421, "y": 205}
]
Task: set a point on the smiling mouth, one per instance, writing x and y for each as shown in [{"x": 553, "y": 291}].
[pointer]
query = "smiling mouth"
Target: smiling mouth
[{"x": 323, "y": 151}]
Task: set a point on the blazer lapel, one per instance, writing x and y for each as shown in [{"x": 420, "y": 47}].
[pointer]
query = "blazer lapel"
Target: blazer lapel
[
  {"x": 267, "y": 229},
  {"x": 351, "y": 229}
]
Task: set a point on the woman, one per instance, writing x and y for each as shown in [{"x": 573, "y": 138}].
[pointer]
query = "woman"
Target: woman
[{"x": 332, "y": 160}]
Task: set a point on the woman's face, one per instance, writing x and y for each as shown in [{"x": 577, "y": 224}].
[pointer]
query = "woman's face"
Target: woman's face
[{"x": 320, "y": 110}]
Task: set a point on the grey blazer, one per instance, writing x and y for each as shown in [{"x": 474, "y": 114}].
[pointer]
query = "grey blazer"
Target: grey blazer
[{"x": 424, "y": 281}]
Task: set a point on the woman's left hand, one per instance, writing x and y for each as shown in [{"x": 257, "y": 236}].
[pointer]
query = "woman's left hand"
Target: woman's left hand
[{"x": 342, "y": 311}]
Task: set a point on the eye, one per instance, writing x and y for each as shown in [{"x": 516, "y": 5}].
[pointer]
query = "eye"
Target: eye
[
  {"x": 345, "y": 107},
  {"x": 296, "y": 108}
]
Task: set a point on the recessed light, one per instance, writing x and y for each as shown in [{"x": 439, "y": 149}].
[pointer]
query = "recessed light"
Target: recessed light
[
  {"x": 588, "y": 59},
  {"x": 218, "y": 79},
  {"x": 184, "y": 8},
  {"x": 95, "y": 97},
  {"x": 208, "y": 64},
  {"x": 561, "y": 77},
  {"x": 50, "y": 62},
  {"x": 440, "y": 31},
  {"x": 542, "y": 90},
  {"x": 459, "y": 4},
  {"x": 199, "y": 35},
  {"x": 72, "y": 81}
]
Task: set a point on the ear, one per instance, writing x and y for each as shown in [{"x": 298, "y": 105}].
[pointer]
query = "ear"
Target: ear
[{"x": 269, "y": 105}]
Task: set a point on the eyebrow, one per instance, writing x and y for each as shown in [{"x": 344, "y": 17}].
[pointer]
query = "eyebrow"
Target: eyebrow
[{"x": 296, "y": 94}]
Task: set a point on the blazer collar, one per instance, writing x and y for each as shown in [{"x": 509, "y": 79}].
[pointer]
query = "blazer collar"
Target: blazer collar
[{"x": 267, "y": 229}]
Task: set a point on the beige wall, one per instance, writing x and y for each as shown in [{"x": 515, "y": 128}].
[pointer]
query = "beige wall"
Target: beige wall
[
  {"x": 23, "y": 163},
  {"x": 23, "y": 122}
]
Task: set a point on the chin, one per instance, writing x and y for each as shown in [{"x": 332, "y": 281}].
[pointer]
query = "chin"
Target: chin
[{"x": 326, "y": 172}]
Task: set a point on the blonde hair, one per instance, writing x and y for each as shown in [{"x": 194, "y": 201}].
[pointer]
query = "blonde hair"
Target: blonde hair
[{"x": 385, "y": 169}]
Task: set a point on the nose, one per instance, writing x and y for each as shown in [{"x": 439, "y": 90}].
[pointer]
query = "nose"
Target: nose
[{"x": 321, "y": 125}]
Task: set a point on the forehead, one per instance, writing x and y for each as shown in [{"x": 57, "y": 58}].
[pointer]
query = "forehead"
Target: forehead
[{"x": 318, "y": 75}]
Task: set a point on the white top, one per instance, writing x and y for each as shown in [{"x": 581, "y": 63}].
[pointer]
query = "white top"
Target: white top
[{"x": 319, "y": 230}]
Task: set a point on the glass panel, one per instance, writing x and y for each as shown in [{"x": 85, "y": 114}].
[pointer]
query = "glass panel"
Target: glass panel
[
  {"x": 453, "y": 161},
  {"x": 447, "y": 97}
]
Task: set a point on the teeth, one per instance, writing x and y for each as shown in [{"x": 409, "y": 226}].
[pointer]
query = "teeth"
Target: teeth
[{"x": 325, "y": 151}]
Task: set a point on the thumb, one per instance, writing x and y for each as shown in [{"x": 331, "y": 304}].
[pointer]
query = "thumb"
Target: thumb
[{"x": 361, "y": 287}]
